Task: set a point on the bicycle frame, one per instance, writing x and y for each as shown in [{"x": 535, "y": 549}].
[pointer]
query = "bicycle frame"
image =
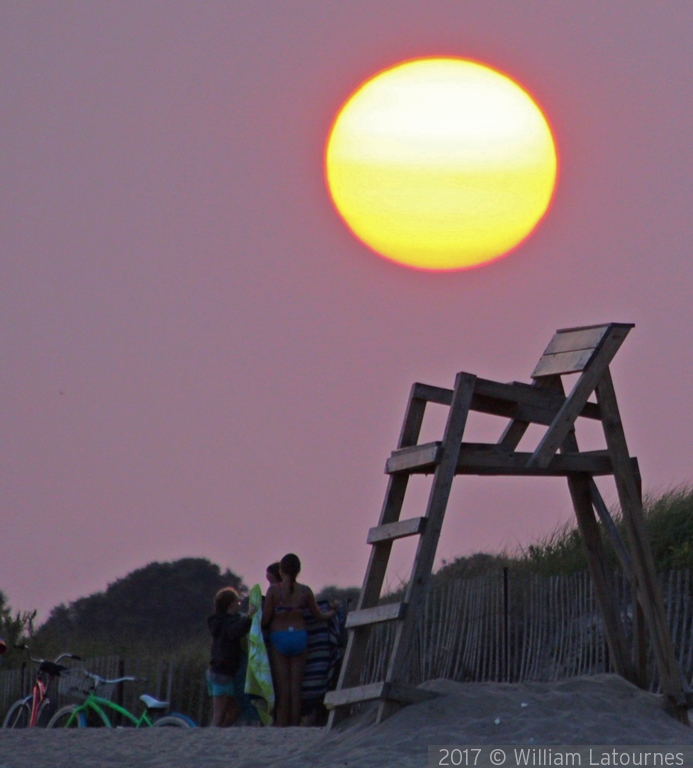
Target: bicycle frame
[
  {"x": 99, "y": 705},
  {"x": 38, "y": 696}
]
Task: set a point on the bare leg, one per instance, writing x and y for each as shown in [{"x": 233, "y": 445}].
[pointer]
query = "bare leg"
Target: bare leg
[
  {"x": 298, "y": 665},
  {"x": 220, "y": 703},
  {"x": 231, "y": 713},
  {"x": 281, "y": 665}
]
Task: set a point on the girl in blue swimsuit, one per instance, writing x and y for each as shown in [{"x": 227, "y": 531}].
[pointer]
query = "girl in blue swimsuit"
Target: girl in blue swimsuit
[{"x": 283, "y": 614}]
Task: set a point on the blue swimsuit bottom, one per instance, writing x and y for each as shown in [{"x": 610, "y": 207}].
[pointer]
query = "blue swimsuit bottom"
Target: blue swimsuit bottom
[{"x": 290, "y": 642}]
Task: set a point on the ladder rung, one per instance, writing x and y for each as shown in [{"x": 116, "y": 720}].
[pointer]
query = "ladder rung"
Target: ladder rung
[
  {"x": 347, "y": 696},
  {"x": 418, "y": 457},
  {"x": 376, "y": 615},
  {"x": 403, "y": 693},
  {"x": 494, "y": 459},
  {"x": 398, "y": 530}
]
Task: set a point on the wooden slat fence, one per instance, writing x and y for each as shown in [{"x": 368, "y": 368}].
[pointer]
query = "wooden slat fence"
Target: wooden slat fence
[
  {"x": 505, "y": 627},
  {"x": 501, "y": 627}
]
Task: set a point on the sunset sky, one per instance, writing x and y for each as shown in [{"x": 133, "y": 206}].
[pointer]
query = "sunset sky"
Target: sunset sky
[{"x": 198, "y": 357}]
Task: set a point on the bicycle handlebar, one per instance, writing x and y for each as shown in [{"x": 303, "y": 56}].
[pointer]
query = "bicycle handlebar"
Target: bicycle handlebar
[
  {"x": 104, "y": 681},
  {"x": 24, "y": 647}
]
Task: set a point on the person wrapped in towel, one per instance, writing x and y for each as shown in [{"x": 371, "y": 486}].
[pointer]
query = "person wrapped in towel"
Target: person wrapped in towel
[{"x": 323, "y": 661}]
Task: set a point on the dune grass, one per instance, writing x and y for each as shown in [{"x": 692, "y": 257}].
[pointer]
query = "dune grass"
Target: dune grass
[{"x": 669, "y": 524}]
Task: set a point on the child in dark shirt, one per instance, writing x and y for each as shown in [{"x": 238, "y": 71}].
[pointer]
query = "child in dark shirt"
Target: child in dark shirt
[{"x": 227, "y": 626}]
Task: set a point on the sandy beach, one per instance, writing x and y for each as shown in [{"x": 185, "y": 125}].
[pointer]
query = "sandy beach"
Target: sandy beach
[{"x": 603, "y": 709}]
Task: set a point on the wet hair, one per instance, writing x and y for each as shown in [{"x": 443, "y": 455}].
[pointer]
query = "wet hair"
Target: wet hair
[
  {"x": 224, "y": 598},
  {"x": 291, "y": 567},
  {"x": 273, "y": 568}
]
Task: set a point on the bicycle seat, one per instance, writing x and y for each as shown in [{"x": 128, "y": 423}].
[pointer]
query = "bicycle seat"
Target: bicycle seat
[
  {"x": 151, "y": 703},
  {"x": 51, "y": 668}
]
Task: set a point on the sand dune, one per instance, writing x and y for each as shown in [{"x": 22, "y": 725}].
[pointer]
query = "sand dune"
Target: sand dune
[{"x": 603, "y": 709}]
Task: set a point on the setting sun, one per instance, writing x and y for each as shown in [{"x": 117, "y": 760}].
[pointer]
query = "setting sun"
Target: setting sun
[{"x": 441, "y": 164}]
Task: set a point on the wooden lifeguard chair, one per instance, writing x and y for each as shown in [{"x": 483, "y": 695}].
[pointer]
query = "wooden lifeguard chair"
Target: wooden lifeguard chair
[{"x": 587, "y": 351}]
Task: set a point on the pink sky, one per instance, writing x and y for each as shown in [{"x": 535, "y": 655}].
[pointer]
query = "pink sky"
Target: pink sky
[{"x": 200, "y": 360}]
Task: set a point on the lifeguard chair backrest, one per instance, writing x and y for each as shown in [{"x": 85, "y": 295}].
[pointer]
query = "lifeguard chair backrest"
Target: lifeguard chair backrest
[{"x": 572, "y": 349}]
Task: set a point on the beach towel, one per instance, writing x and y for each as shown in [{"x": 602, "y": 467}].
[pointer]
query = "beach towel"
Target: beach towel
[
  {"x": 258, "y": 680},
  {"x": 323, "y": 656}
]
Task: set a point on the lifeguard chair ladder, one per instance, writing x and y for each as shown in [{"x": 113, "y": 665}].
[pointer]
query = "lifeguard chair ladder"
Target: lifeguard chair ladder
[{"x": 588, "y": 351}]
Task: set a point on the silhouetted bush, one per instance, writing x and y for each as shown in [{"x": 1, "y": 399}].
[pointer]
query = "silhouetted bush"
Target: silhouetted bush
[{"x": 159, "y": 607}]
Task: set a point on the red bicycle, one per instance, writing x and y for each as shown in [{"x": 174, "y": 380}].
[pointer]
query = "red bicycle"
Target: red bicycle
[{"x": 36, "y": 709}]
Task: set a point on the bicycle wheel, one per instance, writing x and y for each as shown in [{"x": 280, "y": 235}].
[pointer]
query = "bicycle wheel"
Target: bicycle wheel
[
  {"x": 18, "y": 716},
  {"x": 174, "y": 720},
  {"x": 68, "y": 717}
]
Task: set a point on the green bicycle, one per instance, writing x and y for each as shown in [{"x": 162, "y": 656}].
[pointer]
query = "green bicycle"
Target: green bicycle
[{"x": 98, "y": 709}]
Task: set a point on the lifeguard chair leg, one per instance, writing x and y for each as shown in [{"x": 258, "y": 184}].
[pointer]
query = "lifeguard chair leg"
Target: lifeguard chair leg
[{"x": 650, "y": 598}]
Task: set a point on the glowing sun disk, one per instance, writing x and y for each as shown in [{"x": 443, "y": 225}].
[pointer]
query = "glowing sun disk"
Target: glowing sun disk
[{"x": 441, "y": 164}]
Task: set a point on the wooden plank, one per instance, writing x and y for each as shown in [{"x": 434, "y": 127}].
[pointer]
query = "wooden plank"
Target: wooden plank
[
  {"x": 564, "y": 584},
  {"x": 685, "y": 592},
  {"x": 649, "y": 595},
  {"x": 493, "y": 459},
  {"x": 612, "y": 531},
  {"x": 419, "y": 457},
  {"x": 421, "y": 638},
  {"x": 576, "y": 338},
  {"x": 674, "y": 596},
  {"x": 575, "y": 402},
  {"x": 472, "y": 630},
  {"x": 398, "y": 530},
  {"x": 689, "y": 655},
  {"x": 565, "y": 353},
  {"x": 431, "y": 394},
  {"x": 498, "y": 399},
  {"x": 563, "y": 362},
  {"x": 376, "y": 615},
  {"x": 460, "y": 602},
  {"x": 403, "y": 694},
  {"x": 513, "y": 434},
  {"x": 511, "y": 410},
  {"x": 451, "y": 618},
  {"x": 346, "y": 696},
  {"x": 435, "y": 512},
  {"x": 639, "y": 639},
  {"x": 518, "y": 392},
  {"x": 489, "y": 459}
]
